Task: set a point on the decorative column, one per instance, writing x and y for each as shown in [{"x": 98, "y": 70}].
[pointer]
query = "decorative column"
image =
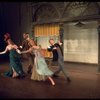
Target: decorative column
[
  {"x": 61, "y": 33},
  {"x": 98, "y": 46}
]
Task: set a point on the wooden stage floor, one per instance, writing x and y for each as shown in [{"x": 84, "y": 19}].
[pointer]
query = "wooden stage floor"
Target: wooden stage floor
[{"x": 85, "y": 83}]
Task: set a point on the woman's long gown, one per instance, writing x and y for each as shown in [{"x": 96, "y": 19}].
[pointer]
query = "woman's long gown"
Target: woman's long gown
[
  {"x": 40, "y": 69},
  {"x": 15, "y": 64}
]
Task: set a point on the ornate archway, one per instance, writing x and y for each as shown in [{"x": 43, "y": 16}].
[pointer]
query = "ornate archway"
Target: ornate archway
[{"x": 45, "y": 12}]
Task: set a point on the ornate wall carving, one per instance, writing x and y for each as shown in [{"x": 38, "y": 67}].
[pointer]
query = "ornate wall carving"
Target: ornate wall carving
[
  {"x": 91, "y": 9},
  {"x": 76, "y": 8},
  {"x": 60, "y": 10}
]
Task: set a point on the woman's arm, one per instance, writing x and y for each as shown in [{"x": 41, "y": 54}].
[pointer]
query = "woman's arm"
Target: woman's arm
[
  {"x": 27, "y": 51},
  {"x": 16, "y": 47},
  {"x": 35, "y": 47},
  {"x": 4, "y": 51}
]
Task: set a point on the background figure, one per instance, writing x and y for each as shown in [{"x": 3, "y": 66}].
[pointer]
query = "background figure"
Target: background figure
[
  {"x": 40, "y": 70},
  {"x": 15, "y": 64},
  {"x": 29, "y": 56},
  {"x": 58, "y": 57}
]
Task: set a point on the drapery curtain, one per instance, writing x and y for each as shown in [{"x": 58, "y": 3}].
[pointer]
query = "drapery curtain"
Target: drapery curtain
[{"x": 46, "y": 30}]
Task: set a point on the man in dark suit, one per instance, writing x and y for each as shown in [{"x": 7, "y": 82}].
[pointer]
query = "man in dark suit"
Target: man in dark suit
[{"x": 58, "y": 56}]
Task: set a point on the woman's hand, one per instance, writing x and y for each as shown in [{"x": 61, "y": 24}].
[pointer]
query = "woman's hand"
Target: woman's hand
[{"x": 18, "y": 51}]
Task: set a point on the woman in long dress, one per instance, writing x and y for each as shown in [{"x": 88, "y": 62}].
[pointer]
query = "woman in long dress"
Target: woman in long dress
[
  {"x": 15, "y": 63},
  {"x": 40, "y": 70}
]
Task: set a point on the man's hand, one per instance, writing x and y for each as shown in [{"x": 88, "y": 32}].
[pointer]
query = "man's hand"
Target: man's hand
[
  {"x": 54, "y": 48},
  {"x": 48, "y": 47},
  {"x": 21, "y": 47}
]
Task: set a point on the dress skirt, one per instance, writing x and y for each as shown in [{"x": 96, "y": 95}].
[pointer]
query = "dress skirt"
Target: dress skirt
[{"x": 40, "y": 69}]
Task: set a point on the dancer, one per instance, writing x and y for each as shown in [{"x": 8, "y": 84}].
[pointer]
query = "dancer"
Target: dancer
[
  {"x": 30, "y": 56},
  {"x": 40, "y": 70},
  {"x": 16, "y": 70},
  {"x": 57, "y": 51}
]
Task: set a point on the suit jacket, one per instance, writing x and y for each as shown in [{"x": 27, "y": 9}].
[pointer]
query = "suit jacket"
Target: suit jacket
[
  {"x": 26, "y": 46},
  {"x": 54, "y": 51}
]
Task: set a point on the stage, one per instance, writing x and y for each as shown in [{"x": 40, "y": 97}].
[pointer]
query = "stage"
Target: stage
[{"x": 85, "y": 83}]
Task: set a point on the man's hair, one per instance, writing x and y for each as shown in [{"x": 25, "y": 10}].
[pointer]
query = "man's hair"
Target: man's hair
[{"x": 51, "y": 39}]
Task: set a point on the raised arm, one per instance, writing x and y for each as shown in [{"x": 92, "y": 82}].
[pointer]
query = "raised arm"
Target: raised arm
[
  {"x": 4, "y": 51},
  {"x": 60, "y": 43}
]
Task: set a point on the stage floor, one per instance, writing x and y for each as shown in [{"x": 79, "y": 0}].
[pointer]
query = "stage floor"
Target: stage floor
[{"x": 85, "y": 83}]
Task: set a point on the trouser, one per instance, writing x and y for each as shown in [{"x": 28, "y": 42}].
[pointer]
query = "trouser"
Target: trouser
[
  {"x": 31, "y": 62},
  {"x": 31, "y": 59},
  {"x": 61, "y": 68}
]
